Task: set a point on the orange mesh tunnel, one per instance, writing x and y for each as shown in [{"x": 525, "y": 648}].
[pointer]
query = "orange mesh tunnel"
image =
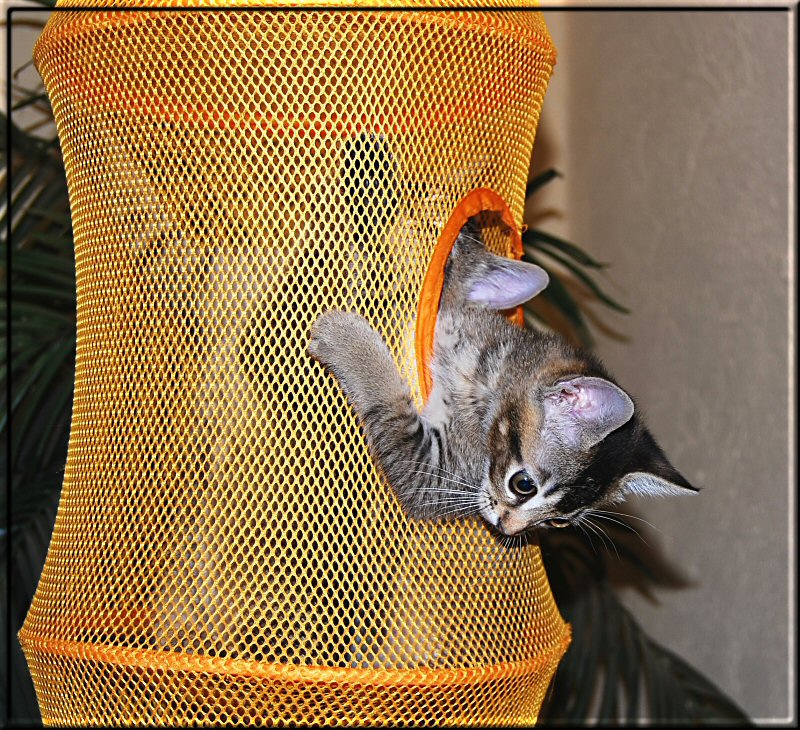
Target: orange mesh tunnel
[{"x": 225, "y": 550}]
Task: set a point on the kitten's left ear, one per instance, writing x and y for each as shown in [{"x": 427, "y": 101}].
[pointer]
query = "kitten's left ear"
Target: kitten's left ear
[
  {"x": 584, "y": 410},
  {"x": 652, "y": 474},
  {"x": 505, "y": 283}
]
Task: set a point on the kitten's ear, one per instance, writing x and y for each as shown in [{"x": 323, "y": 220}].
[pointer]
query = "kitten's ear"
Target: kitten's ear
[
  {"x": 584, "y": 410},
  {"x": 652, "y": 475},
  {"x": 644, "y": 484},
  {"x": 505, "y": 283}
]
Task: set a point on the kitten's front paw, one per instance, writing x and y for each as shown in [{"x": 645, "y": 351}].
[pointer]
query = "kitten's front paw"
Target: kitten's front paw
[
  {"x": 356, "y": 355},
  {"x": 333, "y": 335}
]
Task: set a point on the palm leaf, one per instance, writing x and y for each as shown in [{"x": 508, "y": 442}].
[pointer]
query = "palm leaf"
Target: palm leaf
[
  {"x": 540, "y": 181},
  {"x": 559, "y": 296},
  {"x": 612, "y": 658},
  {"x": 38, "y": 379},
  {"x": 588, "y": 281},
  {"x": 28, "y": 101},
  {"x": 537, "y": 243},
  {"x": 539, "y": 239},
  {"x": 28, "y": 550}
]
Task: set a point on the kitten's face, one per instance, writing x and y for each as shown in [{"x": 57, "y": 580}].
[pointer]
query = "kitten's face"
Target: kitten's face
[
  {"x": 559, "y": 450},
  {"x": 531, "y": 469},
  {"x": 564, "y": 440}
]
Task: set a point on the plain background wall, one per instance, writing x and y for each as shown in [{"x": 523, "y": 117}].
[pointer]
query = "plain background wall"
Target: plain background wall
[{"x": 672, "y": 132}]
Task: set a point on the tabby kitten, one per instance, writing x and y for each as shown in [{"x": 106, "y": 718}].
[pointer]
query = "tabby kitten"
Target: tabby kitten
[{"x": 520, "y": 427}]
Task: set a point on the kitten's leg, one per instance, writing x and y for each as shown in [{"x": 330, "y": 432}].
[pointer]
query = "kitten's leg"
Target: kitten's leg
[{"x": 407, "y": 449}]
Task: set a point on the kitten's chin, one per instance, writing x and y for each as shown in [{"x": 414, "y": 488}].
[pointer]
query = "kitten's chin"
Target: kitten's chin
[
  {"x": 496, "y": 525},
  {"x": 511, "y": 526},
  {"x": 500, "y": 533}
]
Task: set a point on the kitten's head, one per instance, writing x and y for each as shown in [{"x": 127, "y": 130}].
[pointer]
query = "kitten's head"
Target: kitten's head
[
  {"x": 564, "y": 445},
  {"x": 563, "y": 438}
]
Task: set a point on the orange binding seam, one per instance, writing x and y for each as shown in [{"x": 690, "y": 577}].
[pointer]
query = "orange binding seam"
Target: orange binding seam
[{"x": 475, "y": 202}]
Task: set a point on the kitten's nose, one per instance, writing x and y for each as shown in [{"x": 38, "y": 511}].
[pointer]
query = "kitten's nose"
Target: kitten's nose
[{"x": 512, "y": 526}]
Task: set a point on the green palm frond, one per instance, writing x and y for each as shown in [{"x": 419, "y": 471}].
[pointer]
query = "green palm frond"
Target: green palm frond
[
  {"x": 41, "y": 284},
  {"x": 613, "y": 673},
  {"x": 545, "y": 249},
  {"x": 38, "y": 302}
]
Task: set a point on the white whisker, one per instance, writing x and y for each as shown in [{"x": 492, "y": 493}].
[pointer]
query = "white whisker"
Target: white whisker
[
  {"x": 445, "y": 490},
  {"x": 518, "y": 549},
  {"x": 523, "y": 543},
  {"x": 501, "y": 550},
  {"x": 460, "y": 511},
  {"x": 477, "y": 506},
  {"x": 623, "y": 514},
  {"x": 467, "y": 498},
  {"x": 437, "y": 490},
  {"x": 428, "y": 465},
  {"x": 594, "y": 531},
  {"x": 603, "y": 535},
  {"x": 445, "y": 479},
  {"x": 579, "y": 525},
  {"x": 510, "y": 543},
  {"x": 470, "y": 238},
  {"x": 599, "y": 516},
  {"x": 450, "y": 497},
  {"x": 464, "y": 496}
]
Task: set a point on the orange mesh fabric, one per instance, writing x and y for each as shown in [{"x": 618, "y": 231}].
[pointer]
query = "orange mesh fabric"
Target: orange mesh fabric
[{"x": 225, "y": 550}]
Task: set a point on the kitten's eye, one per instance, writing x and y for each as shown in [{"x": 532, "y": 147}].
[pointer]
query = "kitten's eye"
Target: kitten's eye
[
  {"x": 521, "y": 484},
  {"x": 557, "y": 522}
]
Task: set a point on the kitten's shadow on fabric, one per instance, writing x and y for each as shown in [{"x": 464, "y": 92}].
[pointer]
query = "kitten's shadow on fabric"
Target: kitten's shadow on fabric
[{"x": 651, "y": 568}]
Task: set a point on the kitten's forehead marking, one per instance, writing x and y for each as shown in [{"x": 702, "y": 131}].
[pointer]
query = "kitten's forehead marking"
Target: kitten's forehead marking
[
  {"x": 513, "y": 441},
  {"x": 561, "y": 369}
]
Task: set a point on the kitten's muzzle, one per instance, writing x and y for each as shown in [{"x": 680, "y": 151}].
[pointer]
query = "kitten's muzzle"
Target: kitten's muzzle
[{"x": 508, "y": 525}]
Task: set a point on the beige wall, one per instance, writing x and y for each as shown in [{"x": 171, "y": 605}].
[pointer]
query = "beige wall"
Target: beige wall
[{"x": 672, "y": 132}]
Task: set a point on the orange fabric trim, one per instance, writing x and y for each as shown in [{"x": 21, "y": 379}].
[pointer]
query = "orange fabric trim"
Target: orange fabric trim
[
  {"x": 476, "y": 201},
  {"x": 172, "y": 661}
]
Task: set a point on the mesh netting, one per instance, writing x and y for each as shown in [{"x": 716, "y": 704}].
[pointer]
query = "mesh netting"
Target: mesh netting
[{"x": 225, "y": 550}]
